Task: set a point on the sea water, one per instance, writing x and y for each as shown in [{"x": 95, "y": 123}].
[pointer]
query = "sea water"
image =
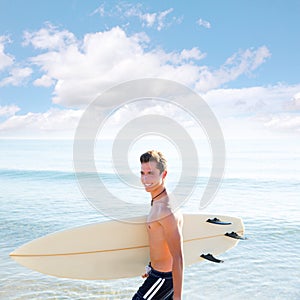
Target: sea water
[{"x": 39, "y": 194}]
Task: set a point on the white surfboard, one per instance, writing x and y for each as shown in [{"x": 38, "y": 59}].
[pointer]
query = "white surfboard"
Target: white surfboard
[{"x": 115, "y": 249}]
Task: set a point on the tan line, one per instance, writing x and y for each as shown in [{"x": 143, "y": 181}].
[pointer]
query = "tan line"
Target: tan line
[{"x": 111, "y": 250}]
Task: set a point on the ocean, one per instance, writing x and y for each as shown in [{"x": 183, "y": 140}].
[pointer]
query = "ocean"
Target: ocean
[{"x": 39, "y": 194}]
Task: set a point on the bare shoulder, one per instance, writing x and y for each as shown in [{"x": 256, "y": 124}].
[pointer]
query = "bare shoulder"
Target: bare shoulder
[
  {"x": 171, "y": 217},
  {"x": 163, "y": 212}
]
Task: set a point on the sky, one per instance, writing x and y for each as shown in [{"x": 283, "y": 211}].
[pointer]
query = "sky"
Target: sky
[{"x": 241, "y": 57}]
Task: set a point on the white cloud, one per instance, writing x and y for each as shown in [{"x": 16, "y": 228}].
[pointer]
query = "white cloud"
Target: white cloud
[
  {"x": 49, "y": 38},
  {"x": 253, "y": 100},
  {"x": 238, "y": 64},
  {"x": 99, "y": 10},
  {"x": 148, "y": 18},
  {"x": 256, "y": 111},
  {"x": 294, "y": 104},
  {"x": 203, "y": 23},
  {"x": 158, "y": 20},
  {"x": 53, "y": 123},
  {"x": 193, "y": 53},
  {"x": 104, "y": 59},
  {"x": 126, "y": 10},
  {"x": 161, "y": 17},
  {"x": 83, "y": 69},
  {"x": 17, "y": 76},
  {"x": 6, "y": 60},
  {"x": 8, "y": 110},
  {"x": 80, "y": 70},
  {"x": 283, "y": 122},
  {"x": 44, "y": 81}
]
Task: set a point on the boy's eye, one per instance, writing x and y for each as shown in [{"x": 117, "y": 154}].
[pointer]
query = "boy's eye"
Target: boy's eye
[{"x": 149, "y": 173}]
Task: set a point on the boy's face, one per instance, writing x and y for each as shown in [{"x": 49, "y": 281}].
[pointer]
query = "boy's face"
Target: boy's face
[{"x": 150, "y": 176}]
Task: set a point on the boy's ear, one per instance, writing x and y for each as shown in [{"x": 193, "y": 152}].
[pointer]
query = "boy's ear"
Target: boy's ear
[{"x": 164, "y": 174}]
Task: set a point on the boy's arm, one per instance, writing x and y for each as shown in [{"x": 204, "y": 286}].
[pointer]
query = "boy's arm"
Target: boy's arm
[{"x": 173, "y": 235}]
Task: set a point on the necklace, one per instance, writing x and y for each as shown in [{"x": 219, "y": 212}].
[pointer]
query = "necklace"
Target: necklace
[{"x": 158, "y": 195}]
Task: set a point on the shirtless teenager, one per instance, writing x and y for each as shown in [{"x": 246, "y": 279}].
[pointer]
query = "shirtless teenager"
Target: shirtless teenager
[{"x": 164, "y": 226}]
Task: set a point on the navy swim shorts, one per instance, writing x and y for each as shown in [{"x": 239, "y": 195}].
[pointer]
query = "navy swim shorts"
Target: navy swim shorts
[{"x": 157, "y": 286}]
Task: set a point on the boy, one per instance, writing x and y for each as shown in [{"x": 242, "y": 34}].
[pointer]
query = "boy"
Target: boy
[{"x": 164, "y": 226}]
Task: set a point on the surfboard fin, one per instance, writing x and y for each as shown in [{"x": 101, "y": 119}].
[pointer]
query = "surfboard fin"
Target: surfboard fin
[
  {"x": 217, "y": 221},
  {"x": 234, "y": 235},
  {"x": 210, "y": 257}
]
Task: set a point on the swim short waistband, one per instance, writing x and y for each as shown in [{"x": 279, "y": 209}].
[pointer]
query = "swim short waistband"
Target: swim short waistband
[{"x": 166, "y": 275}]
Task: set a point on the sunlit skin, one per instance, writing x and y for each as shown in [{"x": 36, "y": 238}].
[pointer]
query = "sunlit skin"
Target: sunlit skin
[{"x": 164, "y": 228}]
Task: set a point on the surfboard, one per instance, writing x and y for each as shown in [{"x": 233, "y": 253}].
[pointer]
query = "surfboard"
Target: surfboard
[{"x": 119, "y": 249}]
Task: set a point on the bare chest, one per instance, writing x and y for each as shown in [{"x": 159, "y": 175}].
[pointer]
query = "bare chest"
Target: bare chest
[{"x": 154, "y": 228}]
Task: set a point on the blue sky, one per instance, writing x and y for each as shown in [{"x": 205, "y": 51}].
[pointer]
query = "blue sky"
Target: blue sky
[{"x": 242, "y": 57}]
